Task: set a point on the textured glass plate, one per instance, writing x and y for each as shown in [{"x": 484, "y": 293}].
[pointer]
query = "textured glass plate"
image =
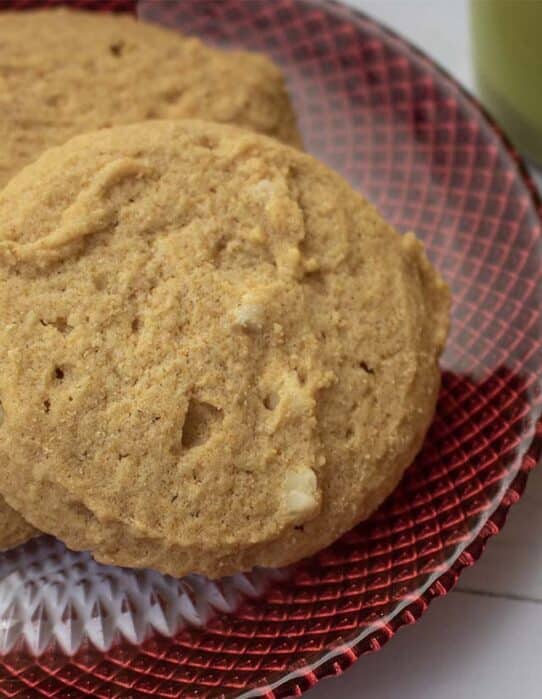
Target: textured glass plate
[{"x": 421, "y": 149}]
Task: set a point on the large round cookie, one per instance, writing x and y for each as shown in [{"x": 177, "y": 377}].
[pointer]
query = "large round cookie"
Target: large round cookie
[
  {"x": 65, "y": 72},
  {"x": 215, "y": 353}
]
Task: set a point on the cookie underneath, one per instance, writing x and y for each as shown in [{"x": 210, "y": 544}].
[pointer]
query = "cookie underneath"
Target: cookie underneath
[
  {"x": 64, "y": 72},
  {"x": 215, "y": 353}
]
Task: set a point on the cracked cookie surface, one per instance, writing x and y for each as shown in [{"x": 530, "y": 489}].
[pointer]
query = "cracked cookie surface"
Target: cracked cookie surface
[{"x": 215, "y": 353}]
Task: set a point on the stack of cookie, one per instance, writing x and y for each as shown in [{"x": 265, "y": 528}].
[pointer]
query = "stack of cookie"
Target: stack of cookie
[{"x": 214, "y": 354}]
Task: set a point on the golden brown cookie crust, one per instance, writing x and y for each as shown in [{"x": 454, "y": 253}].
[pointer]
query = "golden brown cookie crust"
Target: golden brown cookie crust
[
  {"x": 14, "y": 530},
  {"x": 216, "y": 354},
  {"x": 64, "y": 72}
]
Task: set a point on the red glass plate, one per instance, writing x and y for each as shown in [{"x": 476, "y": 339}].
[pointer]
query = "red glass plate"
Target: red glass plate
[{"x": 405, "y": 133}]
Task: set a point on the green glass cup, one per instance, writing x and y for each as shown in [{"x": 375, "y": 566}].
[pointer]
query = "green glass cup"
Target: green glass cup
[{"x": 507, "y": 52}]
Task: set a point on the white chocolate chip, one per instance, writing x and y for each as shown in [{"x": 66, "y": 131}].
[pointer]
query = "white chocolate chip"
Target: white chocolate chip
[
  {"x": 249, "y": 314},
  {"x": 263, "y": 189},
  {"x": 298, "y": 503},
  {"x": 304, "y": 480},
  {"x": 301, "y": 496}
]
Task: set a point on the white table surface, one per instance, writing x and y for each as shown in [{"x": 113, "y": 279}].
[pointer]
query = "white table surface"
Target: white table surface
[{"x": 484, "y": 639}]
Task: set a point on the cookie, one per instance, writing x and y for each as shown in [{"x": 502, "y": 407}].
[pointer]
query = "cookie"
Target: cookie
[
  {"x": 65, "y": 72},
  {"x": 14, "y": 530},
  {"x": 215, "y": 354}
]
